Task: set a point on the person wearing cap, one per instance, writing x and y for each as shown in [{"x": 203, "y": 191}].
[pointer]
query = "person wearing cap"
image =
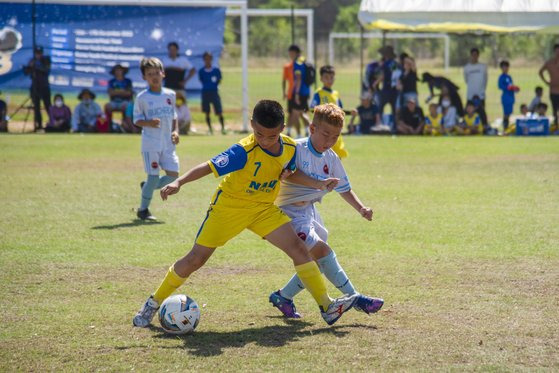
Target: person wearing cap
[
  {"x": 38, "y": 68},
  {"x": 411, "y": 119},
  {"x": 86, "y": 113},
  {"x": 120, "y": 92},
  {"x": 368, "y": 114}
]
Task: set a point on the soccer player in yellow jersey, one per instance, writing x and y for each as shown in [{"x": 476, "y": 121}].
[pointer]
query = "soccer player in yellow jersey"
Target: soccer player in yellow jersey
[
  {"x": 471, "y": 123},
  {"x": 433, "y": 122},
  {"x": 327, "y": 95},
  {"x": 245, "y": 200}
]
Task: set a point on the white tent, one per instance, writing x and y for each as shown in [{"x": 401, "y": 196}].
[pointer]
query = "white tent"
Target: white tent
[{"x": 461, "y": 16}]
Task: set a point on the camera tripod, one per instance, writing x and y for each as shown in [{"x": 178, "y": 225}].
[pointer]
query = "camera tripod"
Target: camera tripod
[{"x": 28, "y": 105}]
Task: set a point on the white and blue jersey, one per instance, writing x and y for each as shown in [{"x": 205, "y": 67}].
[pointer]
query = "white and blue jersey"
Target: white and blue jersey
[
  {"x": 161, "y": 105},
  {"x": 317, "y": 165}
]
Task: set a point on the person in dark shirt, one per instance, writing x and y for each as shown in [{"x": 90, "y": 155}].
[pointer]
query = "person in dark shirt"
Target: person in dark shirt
[
  {"x": 368, "y": 115},
  {"x": 60, "y": 116},
  {"x": 439, "y": 82},
  {"x": 388, "y": 93},
  {"x": 38, "y": 69},
  {"x": 407, "y": 83},
  {"x": 210, "y": 77},
  {"x": 120, "y": 92},
  {"x": 3, "y": 116},
  {"x": 411, "y": 120}
]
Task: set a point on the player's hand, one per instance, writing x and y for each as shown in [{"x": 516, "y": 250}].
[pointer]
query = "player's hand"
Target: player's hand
[
  {"x": 169, "y": 189},
  {"x": 367, "y": 213},
  {"x": 286, "y": 173},
  {"x": 328, "y": 184},
  {"x": 175, "y": 137},
  {"x": 155, "y": 122}
]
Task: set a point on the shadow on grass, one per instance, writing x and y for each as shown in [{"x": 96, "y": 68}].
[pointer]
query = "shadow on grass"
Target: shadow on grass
[
  {"x": 213, "y": 343},
  {"x": 133, "y": 223}
]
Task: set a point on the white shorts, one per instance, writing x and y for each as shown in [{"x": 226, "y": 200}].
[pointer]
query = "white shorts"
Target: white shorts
[
  {"x": 165, "y": 160},
  {"x": 307, "y": 224}
]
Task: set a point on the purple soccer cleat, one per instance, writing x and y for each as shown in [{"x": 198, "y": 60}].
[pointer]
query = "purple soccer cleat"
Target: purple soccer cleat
[
  {"x": 368, "y": 304},
  {"x": 286, "y": 306}
]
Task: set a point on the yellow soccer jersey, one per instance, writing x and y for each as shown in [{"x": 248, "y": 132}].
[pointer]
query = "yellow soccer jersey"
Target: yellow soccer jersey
[
  {"x": 326, "y": 96},
  {"x": 473, "y": 122},
  {"x": 252, "y": 172},
  {"x": 434, "y": 123}
]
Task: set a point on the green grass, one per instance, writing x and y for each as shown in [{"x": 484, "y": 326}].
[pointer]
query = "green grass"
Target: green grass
[
  {"x": 463, "y": 248},
  {"x": 266, "y": 83}
]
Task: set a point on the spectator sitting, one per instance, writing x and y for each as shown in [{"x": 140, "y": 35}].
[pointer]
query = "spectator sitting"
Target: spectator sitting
[
  {"x": 536, "y": 100},
  {"x": 128, "y": 125},
  {"x": 120, "y": 92},
  {"x": 541, "y": 111},
  {"x": 183, "y": 114},
  {"x": 3, "y": 116},
  {"x": 87, "y": 113},
  {"x": 445, "y": 86},
  {"x": 368, "y": 113},
  {"x": 434, "y": 122},
  {"x": 524, "y": 112},
  {"x": 60, "y": 116},
  {"x": 471, "y": 122},
  {"x": 450, "y": 117},
  {"x": 411, "y": 119}
]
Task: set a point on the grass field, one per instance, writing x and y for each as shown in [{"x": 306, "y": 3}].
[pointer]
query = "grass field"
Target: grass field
[
  {"x": 463, "y": 248},
  {"x": 266, "y": 83}
]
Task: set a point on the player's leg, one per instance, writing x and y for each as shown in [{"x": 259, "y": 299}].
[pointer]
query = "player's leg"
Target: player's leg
[
  {"x": 175, "y": 277},
  {"x": 151, "y": 166},
  {"x": 206, "y": 110},
  {"x": 169, "y": 162},
  {"x": 219, "y": 111}
]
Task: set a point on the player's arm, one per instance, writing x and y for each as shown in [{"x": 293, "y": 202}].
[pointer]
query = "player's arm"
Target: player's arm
[
  {"x": 544, "y": 68},
  {"x": 155, "y": 123},
  {"x": 299, "y": 177},
  {"x": 351, "y": 198},
  {"x": 193, "y": 174}
]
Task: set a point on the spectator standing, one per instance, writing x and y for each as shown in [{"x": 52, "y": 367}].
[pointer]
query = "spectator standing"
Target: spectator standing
[
  {"x": 38, "y": 69},
  {"x": 176, "y": 68},
  {"x": 507, "y": 97},
  {"x": 388, "y": 93},
  {"x": 210, "y": 77},
  {"x": 552, "y": 68},
  {"x": 301, "y": 88},
  {"x": 287, "y": 85},
  {"x": 411, "y": 119},
  {"x": 408, "y": 81},
  {"x": 120, "y": 92},
  {"x": 60, "y": 116},
  {"x": 87, "y": 113},
  {"x": 475, "y": 76},
  {"x": 536, "y": 100}
]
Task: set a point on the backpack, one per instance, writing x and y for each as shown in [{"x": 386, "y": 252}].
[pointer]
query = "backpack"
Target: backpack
[{"x": 310, "y": 74}]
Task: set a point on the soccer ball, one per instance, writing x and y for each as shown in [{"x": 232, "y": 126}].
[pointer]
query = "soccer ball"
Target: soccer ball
[{"x": 179, "y": 314}]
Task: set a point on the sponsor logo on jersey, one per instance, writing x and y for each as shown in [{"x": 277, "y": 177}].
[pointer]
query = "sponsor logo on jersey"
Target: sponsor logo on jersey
[
  {"x": 325, "y": 169},
  {"x": 169, "y": 101},
  {"x": 221, "y": 160},
  {"x": 266, "y": 187},
  {"x": 302, "y": 236}
]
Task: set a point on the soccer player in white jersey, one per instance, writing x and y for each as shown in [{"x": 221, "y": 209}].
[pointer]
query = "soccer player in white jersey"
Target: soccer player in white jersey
[
  {"x": 316, "y": 159},
  {"x": 154, "y": 111}
]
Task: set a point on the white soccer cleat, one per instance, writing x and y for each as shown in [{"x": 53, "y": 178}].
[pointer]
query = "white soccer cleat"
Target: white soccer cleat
[
  {"x": 145, "y": 314},
  {"x": 337, "y": 308}
]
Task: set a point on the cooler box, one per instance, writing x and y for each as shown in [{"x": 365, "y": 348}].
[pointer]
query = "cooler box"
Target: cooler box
[{"x": 532, "y": 127}]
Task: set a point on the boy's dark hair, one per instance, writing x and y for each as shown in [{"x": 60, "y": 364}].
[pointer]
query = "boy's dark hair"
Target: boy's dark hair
[
  {"x": 268, "y": 113},
  {"x": 504, "y": 63},
  {"x": 474, "y": 50},
  {"x": 294, "y": 48},
  {"x": 542, "y": 105},
  {"x": 327, "y": 69},
  {"x": 58, "y": 95},
  {"x": 173, "y": 44},
  {"x": 207, "y": 54},
  {"x": 539, "y": 89},
  {"x": 470, "y": 103},
  {"x": 523, "y": 106},
  {"x": 150, "y": 62}
]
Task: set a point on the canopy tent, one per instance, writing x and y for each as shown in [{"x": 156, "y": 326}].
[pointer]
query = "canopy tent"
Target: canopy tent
[{"x": 460, "y": 16}]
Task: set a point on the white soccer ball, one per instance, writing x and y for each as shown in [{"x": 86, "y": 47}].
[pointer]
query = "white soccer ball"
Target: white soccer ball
[{"x": 179, "y": 314}]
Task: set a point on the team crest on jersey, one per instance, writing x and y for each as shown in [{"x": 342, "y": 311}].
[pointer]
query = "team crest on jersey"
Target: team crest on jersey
[
  {"x": 325, "y": 169},
  {"x": 221, "y": 160},
  {"x": 302, "y": 236},
  {"x": 154, "y": 165},
  {"x": 169, "y": 101}
]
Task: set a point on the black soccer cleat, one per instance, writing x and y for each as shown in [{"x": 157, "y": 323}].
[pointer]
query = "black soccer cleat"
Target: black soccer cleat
[{"x": 145, "y": 215}]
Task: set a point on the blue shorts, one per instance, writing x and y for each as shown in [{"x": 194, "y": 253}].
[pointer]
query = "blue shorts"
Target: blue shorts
[
  {"x": 211, "y": 97},
  {"x": 507, "y": 105}
]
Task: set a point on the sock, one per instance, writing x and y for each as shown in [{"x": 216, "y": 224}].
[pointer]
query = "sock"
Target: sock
[
  {"x": 222, "y": 122},
  {"x": 312, "y": 279},
  {"x": 335, "y": 273},
  {"x": 209, "y": 123},
  {"x": 147, "y": 191},
  {"x": 292, "y": 288},
  {"x": 164, "y": 180},
  {"x": 169, "y": 284}
]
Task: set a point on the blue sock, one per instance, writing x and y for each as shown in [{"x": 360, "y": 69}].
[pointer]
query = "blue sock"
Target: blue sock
[
  {"x": 147, "y": 190},
  {"x": 335, "y": 274},
  {"x": 292, "y": 288},
  {"x": 164, "y": 180}
]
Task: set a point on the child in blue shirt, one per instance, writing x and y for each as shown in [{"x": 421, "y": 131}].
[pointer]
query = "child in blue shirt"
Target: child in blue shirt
[
  {"x": 210, "y": 77},
  {"x": 508, "y": 88}
]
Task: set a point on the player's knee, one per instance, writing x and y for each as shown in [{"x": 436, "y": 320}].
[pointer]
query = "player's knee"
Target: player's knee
[{"x": 320, "y": 250}]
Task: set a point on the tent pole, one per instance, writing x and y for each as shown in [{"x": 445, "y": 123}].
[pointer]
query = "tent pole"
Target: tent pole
[
  {"x": 244, "y": 63},
  {"x": 292, "y": 24},
  {"x": 384, "y": 38},
  {"x": 361, "y": 64}
]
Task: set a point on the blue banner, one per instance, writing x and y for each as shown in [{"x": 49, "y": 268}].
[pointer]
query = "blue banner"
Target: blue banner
[{"x": 85, "y": 41}]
